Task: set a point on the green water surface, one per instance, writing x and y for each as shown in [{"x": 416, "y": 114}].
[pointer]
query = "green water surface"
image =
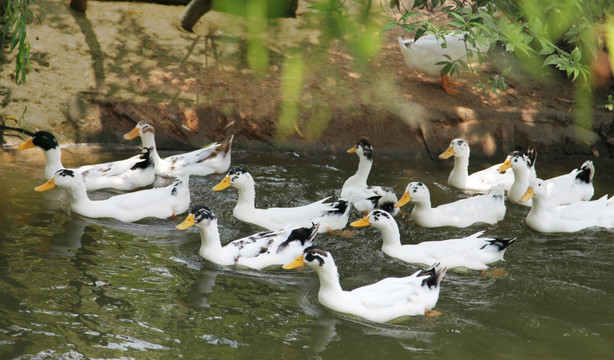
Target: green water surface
[{"x": 79, "y": 288}]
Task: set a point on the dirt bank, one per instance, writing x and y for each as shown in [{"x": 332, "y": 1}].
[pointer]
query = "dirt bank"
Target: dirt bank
[{"x": 95, "y": 75}]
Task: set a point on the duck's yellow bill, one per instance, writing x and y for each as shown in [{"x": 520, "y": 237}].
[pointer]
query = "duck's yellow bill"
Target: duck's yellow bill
[
  {"x": 506, "y": 165},
  {"x": 527, "y": 195},
  {"x": 404, "y": 200},
  {"x": 46, "y": 186},
  {"x": 351, "y": 150},
  {"x": 132, "y": 134},
  {"x": 296, "y": 263},
  {"x": 362, "y": 222},
  {"x": 188, "y": 222},
  {"x": 448, "y": 153},
  {"x": 27, "y": 144},
  {"x": 222, "y": 184}
]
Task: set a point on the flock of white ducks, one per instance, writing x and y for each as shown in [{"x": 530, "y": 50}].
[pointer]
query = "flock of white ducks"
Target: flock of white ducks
[{"x": 289, "y": 239}]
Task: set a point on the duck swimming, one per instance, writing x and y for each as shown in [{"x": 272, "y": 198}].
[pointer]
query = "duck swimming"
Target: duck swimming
[
  {"x": 257, "y": 251},
  {"x": 388, "y": 299}
]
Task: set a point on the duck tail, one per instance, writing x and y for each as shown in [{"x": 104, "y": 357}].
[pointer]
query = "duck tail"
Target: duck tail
[
  {"x": 586, "y": 172},
  {"x": 401, "y": 42},
  {"x": 497, "y": 192},
  {"x": 434, "y": 274},
  {"x": 339, "y": 207},
  {"x": 226, "y": 145},
  {"x": 387, "y": 202},
  {"x": 500, "y": 243},
  {"x": 532, "y": 155},
  {"x": 145, "y": 159},
  {"x": 304, "y": 235}
]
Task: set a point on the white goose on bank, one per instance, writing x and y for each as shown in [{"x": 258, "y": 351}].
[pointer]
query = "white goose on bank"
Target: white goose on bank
[
  {"x": 257, "y": 251},
  {"x": 386, "y": 300},
  {"x": 472, "y": 252},
  {"x": 479, "y": 181},
  {"x": 365, "y": 198},
  {"x": 160, "y": 202},
  {"x": 577, "y": 185},
  {"x": 488, "y": 208},
  {"x": 213, "y": 159},
  {"x": 566, "y": 218},
  {"x": 330, "y": 216},
  {"x": 428, "y": 52},
  {"x": 135, "y": 172}
]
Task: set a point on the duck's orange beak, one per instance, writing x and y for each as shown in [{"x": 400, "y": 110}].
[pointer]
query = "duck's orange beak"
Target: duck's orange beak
[
  {"x": 46, "y": 186},
  {"x": 404, "y": 200},
  {"x": 222, "y": 184},
  {"x": 27, "y": 144},
  {"x": 188, "y": 222},
  {"x": 296, "y": 263},
  {"x": 132, "y": 134}
]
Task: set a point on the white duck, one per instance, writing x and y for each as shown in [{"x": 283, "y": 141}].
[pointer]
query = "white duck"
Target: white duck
[
  {"x": 160, "y": 202},
  {"x": 428, "y": 52},
  {"x": 575, "y": 186},
  {"x": 365, "y": 198},
  {"x": 488, "y": 208},
  {"x": 471, "y": 252},
  {"x": 213, "y": 159},
  {"x": 257, "y": 251},
  {"x": 479, "y": 181},
  {"x": 135, "y": 172},
  {"x": 386, "y": 300},
  {"x": 566, "y": 218},
  {"x": 330, "y": 216}
]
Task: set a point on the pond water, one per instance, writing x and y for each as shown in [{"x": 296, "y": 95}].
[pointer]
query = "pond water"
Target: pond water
[{"x": 73, "y": 287}]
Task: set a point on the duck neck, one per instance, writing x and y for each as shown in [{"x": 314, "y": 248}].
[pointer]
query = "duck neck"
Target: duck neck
[
  {"x": 329, "y": 281},
  {"x": 148, "y": 141},
  {"x": 209, "y": 240},
  {"x": 53, "y": 162},
  {"x": 362, "y": 174},
  {"x": 460, "y": 172},
  {"x": 79, "y": 199},
  {"x": 391, "y": 235},
  {"x": 539, "y": 206},
  {"x": 520, "y": 184},
  {"x": 247, "y": 196},
  {"x": 424, "y": 204}
]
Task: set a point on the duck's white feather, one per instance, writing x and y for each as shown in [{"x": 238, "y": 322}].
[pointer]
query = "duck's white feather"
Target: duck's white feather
[
  {"x": 365, "y": 198},
  {"x": 566, "y": 218},
  {"x": 479, "y": 181},
  {"x": 472, "y": 252},
  {"x": 577, "y": 185},
  {"x": 330, "y": 216},
  {"x": 257, "y": 251},
  {"x": 383, "y": 301},
  {"x": 212, "y": 159},
  {"x": 488, "y": 208},
  {"x": 158, "y": 202},
  {"x": 129, "y": 174}
]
